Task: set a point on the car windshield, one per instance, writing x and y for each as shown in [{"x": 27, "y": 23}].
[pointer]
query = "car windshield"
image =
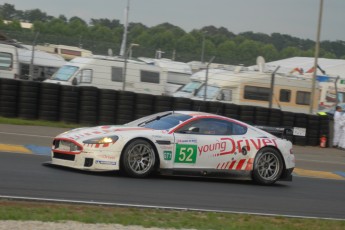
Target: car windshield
[
  {"x": 65, "y": 73},
  {"x": 191, "y": 86},
  {"x": 211, "y": 92},
  {"x": 160, "y": 121}
]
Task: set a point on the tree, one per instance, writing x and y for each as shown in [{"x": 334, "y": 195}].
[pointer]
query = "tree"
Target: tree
[
  {"x": 8, "y": 12},
  {"x": 248, "y": 51},
  {"x": 290, "y": 52},
  {"x": 227, "y": 52},
  {"x": 269, "y": 52},
  {"x": 105, "y": 22},
  {"x": 35, "y": 15}
]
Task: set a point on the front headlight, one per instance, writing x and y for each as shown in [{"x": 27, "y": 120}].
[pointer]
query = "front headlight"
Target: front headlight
[{"x": 102, "y": 140}]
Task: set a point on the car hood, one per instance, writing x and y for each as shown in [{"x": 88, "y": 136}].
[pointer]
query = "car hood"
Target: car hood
[{"x": 81, "y": 134}]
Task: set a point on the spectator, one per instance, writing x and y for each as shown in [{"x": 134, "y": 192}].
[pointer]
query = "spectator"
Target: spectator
[{"x": 337, "y": 127}]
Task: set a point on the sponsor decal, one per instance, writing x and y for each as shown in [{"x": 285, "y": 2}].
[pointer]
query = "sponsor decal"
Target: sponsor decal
[
  {"x": 241, "y": 164},
  {"x": 226, "y": 146},
  {"x": 167, "y": 155},
  {"x": 97, "y": 145},
  {"x": 186, "y": 140},
  {"x": 109, "y": 157},
  {"x": 219, "y": 146},
  {"x": 186, "y": 153},
  {"x": 105, "y": 162},
  {"x": 165, "y": 147}
]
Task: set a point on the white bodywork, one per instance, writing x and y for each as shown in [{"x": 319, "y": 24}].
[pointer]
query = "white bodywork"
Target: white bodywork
[{"x": 175, "y": 150}]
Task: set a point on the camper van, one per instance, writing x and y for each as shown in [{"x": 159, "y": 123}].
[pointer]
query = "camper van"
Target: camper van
[
  {"x": 9, "y": 65},
  {"x": 197, "y": 80},
  {"x": 67, "y": 52},
  {"x": 179, "y": 73},
  {"x": 106, "y": 72},
  {"x": 253, "y": 88}
]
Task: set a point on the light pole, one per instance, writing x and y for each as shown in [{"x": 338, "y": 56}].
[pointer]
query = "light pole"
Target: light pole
[
  {"x": 317, "y": 46},
  {"x": 203, "y": 48},
  {"x": 206, "y": 77},
  {"x": 31, "y": 68},
  {"x": 129, "y": 51}
]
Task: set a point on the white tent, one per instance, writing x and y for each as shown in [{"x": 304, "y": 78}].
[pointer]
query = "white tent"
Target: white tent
[{"x": 303, "y": 65}]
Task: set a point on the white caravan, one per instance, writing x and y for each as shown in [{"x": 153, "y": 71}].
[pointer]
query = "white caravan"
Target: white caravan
[
  {"x": 179, "y": 73},
  {"x": 44, "y": 64},
  {"x": 107, "y": 72},
  {"x": 197, "y": 80},
  {"x": 253, "y": 88},
  {"x": 9, "y": 65}
]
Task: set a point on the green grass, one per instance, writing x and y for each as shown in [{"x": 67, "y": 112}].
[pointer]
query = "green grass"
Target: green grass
[
  {"x": 17, "y": 121},
  {"x": 22, "y": 210}
]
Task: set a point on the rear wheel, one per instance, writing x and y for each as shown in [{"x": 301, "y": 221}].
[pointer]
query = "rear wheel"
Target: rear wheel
[
  {"x": 138, "y": 159},
  {"x": 268, "y": 166}
]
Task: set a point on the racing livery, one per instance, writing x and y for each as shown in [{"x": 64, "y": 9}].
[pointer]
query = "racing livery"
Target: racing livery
[{"x": 178, "y": 143}]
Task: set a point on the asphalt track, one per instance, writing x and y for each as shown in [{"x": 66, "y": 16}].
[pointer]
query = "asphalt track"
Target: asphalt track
[{"x": 317, "y": 190}]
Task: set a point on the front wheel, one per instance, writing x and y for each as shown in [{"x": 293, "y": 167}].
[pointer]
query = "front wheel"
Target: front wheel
[
  {"x": 268, "y": 166},
  {"x": 138, "y": 159}
]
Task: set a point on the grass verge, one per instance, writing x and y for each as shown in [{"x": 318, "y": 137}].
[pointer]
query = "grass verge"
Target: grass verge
[{"x": 53, "y": 212}]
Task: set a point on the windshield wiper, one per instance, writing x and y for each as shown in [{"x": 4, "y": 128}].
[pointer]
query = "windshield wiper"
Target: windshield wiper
[{"x": 153, "y": 119}]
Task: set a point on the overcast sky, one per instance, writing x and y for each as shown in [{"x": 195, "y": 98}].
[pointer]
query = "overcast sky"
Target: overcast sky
[{"x": 294, "y": 17}]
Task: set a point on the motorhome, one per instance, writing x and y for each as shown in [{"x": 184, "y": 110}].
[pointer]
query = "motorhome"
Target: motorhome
[
  {"x": 44, "y": 64},
  {"x": 332, "y": 91},
  {"x": 67, "y": 52},
  {"x": 9, "y": 65},
  {"x": 15, "y": 62},
  {"x": 253, "y": 88},
  {"x": 179, "y": 73},
  {"x": 107, "y": 72},
  {"x": 197, "y": 80}
]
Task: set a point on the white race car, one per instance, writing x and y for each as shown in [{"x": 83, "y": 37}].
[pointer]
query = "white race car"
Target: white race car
[{"x": 178, "y": 143}]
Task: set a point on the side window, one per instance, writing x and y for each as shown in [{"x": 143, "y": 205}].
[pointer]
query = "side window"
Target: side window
[
  {"x": 285, "y": 95},
  {"x": 256, "y": 93},
  {"x": 303, "y": 98},
  {"x": 150, "y": 77},
  {"x": 211, "y": 126},
  {"x": 116, "y": 74},
  {"x": 86, "y": 76},
  {"x": 5, "y": 60}
]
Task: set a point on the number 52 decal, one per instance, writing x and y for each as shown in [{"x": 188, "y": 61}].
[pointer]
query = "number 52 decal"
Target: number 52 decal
[{"x": 186, "y": 154}]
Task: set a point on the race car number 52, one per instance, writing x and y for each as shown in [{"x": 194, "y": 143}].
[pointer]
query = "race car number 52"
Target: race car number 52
[{"x": 185, "y": 154}]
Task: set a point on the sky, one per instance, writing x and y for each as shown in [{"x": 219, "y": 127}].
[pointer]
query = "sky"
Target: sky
[{"x": 298, "y": 18}]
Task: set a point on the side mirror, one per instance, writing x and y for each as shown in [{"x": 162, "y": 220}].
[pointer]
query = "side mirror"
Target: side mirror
[
  {"x": 74, "y": 81},
  {"x": 194, "y": 92}
]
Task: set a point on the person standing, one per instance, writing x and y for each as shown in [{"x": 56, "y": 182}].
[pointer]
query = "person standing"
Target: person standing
[{"x": 337, "y": 127}]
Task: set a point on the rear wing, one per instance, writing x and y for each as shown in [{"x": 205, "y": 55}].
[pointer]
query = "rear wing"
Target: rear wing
[{"x": 281, "y": 132}]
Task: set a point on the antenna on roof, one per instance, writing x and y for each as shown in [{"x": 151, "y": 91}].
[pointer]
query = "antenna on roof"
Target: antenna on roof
[
  {"x": 260, "y": 61},
  {"x": 110, "y": 52}
]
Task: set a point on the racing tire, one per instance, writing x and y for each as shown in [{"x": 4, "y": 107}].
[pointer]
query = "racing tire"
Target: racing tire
[
  {"x": 268, "y": 166},
  {"x": 138, "y": 159}
]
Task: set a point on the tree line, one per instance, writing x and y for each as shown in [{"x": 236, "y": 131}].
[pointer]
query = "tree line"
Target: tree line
[{"x": 100, "y": 35}]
